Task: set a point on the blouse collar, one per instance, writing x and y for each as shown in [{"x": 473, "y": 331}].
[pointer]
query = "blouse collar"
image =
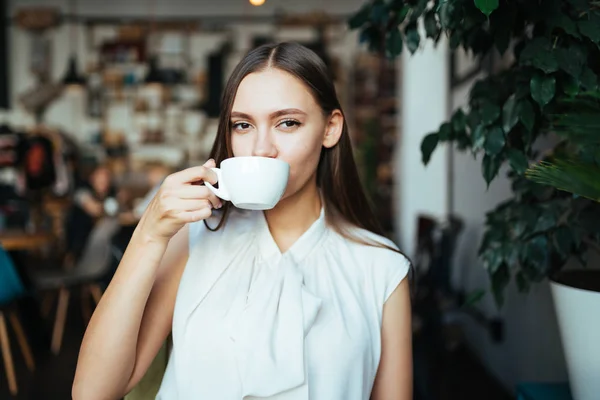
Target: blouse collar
[{"x": 300, "y": 249}]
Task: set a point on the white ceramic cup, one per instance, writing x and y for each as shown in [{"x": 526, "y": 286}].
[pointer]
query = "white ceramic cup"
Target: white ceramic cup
[{"x": 251, "y": 183}]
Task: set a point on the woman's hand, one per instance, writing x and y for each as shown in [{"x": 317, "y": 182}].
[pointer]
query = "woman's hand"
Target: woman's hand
[{"x": 180, "y": 201}]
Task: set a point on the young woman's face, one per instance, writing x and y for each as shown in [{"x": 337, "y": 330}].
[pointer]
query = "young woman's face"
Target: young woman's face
[{"x": 275, "y": 115}]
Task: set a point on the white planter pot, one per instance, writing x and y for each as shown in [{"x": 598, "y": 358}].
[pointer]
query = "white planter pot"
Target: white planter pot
[{"x": 578, "y": 313}]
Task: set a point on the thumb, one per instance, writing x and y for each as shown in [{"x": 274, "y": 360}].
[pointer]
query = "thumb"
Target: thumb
[{"x": 210, "y": 163}]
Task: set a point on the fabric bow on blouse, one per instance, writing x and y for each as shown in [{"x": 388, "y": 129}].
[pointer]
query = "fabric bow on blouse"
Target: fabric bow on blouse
[{"x": 274, "y": 315}]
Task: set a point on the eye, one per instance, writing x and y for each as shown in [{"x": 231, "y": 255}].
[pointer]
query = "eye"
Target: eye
[
  {"x": 240, "y": 126},
  {"x": 289, "y": 124}
]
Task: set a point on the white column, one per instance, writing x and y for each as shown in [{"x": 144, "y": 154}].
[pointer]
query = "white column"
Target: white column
[{"x": 424, "y": 106}]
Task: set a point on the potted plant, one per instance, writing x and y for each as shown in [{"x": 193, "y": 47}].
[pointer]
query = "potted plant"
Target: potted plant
[
  {"x": 576, "y": 293},
  {"x": 555, "y": 46}
]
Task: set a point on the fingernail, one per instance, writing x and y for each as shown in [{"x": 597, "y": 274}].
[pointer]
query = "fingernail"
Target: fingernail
[{"x": 219, "y": 205}]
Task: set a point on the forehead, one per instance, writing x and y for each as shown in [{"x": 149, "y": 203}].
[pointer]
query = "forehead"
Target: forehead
[{"x": 272, "y": 89}]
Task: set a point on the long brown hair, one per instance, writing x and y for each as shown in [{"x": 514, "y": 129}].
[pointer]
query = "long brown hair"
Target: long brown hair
[{"x": 346, "y": 204}]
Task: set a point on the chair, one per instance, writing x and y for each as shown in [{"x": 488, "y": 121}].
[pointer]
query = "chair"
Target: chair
[
  {"x": 11, "y": 288},
  {"x": 93, "y": 266}
]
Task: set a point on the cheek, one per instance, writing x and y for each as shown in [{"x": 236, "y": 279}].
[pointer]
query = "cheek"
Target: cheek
[
  {"x": 241, "y": 145},
  {"x": 302, "y": 155}
]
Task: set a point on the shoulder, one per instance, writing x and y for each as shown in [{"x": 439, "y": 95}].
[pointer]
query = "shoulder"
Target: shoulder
[
  {"x": 373, "y": 246},
  {"x": 381, "y": 260}
]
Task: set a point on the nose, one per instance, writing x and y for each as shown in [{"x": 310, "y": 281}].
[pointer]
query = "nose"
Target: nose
[{"x": 264, "y": 146}]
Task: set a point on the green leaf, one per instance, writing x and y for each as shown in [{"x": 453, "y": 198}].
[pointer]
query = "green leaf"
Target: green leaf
[
  {"x": 589, "y": 80},
  {"x": 562, "y": 21},
  {"x": 536, "y": 251},
  {"x": 539, "y": 53},
  {"x": 568, "y": 175},
  {"x": 590, "y": 26},
  {"x": 459, "y": 121},
  {"x": 517, "y": 160},
  {"x": 486, "y": 6},
  {"x": 371, "y": 35},
  {"x": 431, "y": 27},
  {"x": 393, "y": 43},
  {"x": 563, "y": 241},
  {"x": 445, "y": 132},
  {"x": 402, "y": 13},
  {"x": 489, "y": 113},
  {"x": 361, "y": 17},
  {"x": 379, "y": 13},
  {"x": 462, "y": 141},
  {"x": 428, "y": 145},
  {"x": 571, "y": 86},
  {"x": 492, "y": 258},
  {"x": 491, "y": 166},
  {"x": 543, "y": 88},
  {"x": 510, "y": 115},
  {"x": 511, "y": 253},
  {"x": 474, "y": 297},
  {"x": 526, "y": 114},
  {"x": 446, "y": 11},
  {"x": 545, "y": 221},
  {"x": 495, "y": 140},
  {"x": 417, "y": 9},
  {"x": 413, "y": 38},
  {"x": 571, "y": 59},
  {"x": 478, "y": 137},
  {"x": 500, "y": 280}
]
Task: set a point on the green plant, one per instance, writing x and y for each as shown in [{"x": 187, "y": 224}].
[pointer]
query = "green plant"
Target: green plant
[
  {"x": 555, "y": 47},
  {"x": 578, "y": 172}
]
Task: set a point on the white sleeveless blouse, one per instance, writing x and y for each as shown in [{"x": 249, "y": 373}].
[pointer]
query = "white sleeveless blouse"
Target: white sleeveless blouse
[{"x": 251, "y": 322}]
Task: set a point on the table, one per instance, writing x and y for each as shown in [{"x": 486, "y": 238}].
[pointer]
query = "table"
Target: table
[
  {"x": 15, "y": 240},
  {"x": 543, "y": 391}
]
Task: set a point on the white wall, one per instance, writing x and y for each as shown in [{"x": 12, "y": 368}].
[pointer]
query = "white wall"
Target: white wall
[{"x": 424, "y": 106}]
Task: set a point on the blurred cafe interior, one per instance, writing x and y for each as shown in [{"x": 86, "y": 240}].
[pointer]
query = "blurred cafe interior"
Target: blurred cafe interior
[{"x": 101, "y": 100}]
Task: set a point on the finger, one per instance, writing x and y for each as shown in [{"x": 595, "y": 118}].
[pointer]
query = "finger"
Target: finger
[
  {"x": 176, "y": 206},
  {"x": 214, "y": 200},
  {"x": 195, "y": 174},
  {"x": 210, "y": 163},
  {"x": 198, "y": 215},
  {"x": 197, "y": 192},
  {"x": 191, "y": 192}
]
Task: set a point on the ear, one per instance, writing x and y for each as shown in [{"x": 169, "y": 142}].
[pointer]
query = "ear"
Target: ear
[{"x": 333, "y": 129}]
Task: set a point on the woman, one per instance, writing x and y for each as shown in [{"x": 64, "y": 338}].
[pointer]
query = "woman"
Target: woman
[
  {"x": 302, "y": 301},
  {"x": 88, "y": 206}
]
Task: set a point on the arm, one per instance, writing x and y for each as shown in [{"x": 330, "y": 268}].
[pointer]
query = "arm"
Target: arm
[
  {"x": 134, "y": 316},
  {"x": 394, "y": 378},
  {"x": 121, "y": 342}
]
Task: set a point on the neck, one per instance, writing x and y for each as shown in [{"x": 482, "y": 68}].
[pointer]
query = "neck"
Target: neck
[{"x": 294, "y": 215}]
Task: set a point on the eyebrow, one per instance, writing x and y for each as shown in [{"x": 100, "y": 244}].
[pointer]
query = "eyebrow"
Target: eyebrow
[{"x": 275, "y": 114}]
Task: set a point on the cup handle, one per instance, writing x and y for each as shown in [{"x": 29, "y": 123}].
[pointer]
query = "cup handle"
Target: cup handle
[{"x": 221, "y": 192}]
